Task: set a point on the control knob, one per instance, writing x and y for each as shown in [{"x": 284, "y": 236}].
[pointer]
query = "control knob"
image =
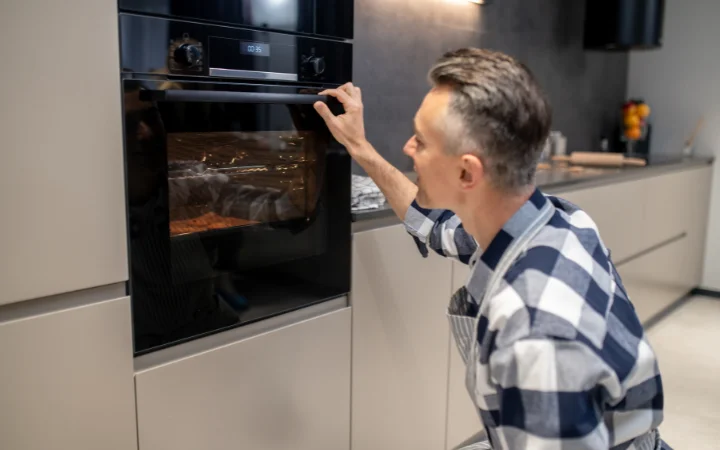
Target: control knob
[
  {"x": 187, "y": 55},
  {"x": 315, "y": 65}
]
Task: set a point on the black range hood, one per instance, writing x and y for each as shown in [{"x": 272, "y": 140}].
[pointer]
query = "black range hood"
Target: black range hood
[{"x": 620, "y": 25}]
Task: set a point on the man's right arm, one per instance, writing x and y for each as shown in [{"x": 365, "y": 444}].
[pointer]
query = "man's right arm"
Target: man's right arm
[
  {"x": 438, "y": 229},
  {"x": 349, "y": 130},
  {"x": 397, "y": 188}
]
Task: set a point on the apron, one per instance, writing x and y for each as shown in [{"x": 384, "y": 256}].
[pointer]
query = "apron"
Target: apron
[{"x": 465, "y": 328}]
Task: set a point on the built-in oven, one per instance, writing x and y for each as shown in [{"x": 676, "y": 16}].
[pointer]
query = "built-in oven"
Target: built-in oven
[{"x": 238, "y": 197}]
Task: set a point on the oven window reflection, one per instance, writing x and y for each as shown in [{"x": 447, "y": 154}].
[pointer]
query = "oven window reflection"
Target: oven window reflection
[{"x": 221, "y": 180}]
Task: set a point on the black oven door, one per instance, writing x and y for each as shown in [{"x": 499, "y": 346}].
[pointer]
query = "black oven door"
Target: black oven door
[
  {"x": 238, "y": 205},
  {"x": 333, "y": 18}
]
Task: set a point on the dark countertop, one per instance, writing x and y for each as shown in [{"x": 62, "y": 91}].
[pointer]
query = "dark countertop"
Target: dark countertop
[{"x": 554, "y": 181}]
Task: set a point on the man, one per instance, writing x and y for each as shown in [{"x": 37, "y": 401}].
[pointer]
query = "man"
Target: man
[{"x": 556, "y": 356}]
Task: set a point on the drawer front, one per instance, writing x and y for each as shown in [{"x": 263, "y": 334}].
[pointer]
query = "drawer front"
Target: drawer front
[
  {"x": 657, "y": 279},
  {"x": 667, "y": 206},
  {"x": 66, "y": 379},
  {"x": 287, "y": 388},
  {"x": 618, "y": 212}
]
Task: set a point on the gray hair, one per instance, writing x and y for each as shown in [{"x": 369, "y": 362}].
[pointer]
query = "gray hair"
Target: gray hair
[{"x": 497, "y": 111}]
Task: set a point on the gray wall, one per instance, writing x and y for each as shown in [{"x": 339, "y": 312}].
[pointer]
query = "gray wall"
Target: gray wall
[{"x": 396, "y": 42}]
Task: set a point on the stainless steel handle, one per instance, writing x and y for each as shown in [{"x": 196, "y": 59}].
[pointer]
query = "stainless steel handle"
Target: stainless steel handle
[
  {"x": 176, "y": 95},
  {"x": 252, "y": 74}
]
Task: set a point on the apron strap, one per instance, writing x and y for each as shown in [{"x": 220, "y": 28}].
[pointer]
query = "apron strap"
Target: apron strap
[{"x": 518, "y": 246}]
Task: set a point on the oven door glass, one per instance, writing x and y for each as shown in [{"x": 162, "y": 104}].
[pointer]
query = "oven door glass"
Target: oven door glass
[{"x": 238, "y": 207}]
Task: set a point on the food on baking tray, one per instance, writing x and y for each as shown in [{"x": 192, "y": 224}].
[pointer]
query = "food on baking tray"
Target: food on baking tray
[
  {"x": 208, "y": 221},
  {"x": 222, "y": 180},
  {"x": 261, "y": 204},
  {"x": 193, "y": 188}
]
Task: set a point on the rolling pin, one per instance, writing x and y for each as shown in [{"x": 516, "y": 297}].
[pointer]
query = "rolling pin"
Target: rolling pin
[{"x": 600, "y": 159}]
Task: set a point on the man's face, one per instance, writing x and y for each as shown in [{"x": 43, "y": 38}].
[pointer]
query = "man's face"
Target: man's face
[{"x": 439, "y": 173}]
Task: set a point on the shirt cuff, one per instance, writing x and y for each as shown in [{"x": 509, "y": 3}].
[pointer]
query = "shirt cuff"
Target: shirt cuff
[{"x": 417, "y": 222}]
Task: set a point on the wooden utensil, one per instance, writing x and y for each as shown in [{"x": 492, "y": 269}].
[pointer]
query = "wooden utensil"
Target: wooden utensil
[{"x": 600, "y": 159}]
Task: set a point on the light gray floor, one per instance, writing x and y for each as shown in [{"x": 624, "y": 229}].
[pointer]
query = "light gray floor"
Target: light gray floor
[{"x": 688, "y": 347}]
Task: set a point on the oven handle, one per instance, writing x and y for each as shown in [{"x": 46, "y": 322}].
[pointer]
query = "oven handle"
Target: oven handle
[{"x": 179, "y": 95}]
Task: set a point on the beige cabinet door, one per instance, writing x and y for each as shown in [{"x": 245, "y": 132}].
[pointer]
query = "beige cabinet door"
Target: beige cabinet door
[
  {"x": 668, "y": 202},
  {"x": 694, "y": 212},
  {"x": 677, "y": 205},
  {"x": 618, "y": 212},
  {"x": 655, "y": 280},
  {"x": 400, "y": 343},
  {"x": 463, "y": 420},
  {"x": 288, "y": 388},
  {"x": 66, "y": 380},
  {"x": 62, "y": 199}
]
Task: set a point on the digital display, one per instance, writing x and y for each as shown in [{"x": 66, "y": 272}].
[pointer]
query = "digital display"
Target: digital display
[{"x": 255, "y": 48}]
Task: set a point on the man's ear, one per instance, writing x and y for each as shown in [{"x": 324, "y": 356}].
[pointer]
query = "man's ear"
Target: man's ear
[{"x": 473, "y": 171}]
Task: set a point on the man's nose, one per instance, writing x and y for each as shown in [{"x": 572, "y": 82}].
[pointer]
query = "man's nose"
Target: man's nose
[{"x": 409, "y": 148}]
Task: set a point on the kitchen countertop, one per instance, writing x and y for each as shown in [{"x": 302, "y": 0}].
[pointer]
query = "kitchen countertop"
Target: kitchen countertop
[{"x": 553, "y": 181}]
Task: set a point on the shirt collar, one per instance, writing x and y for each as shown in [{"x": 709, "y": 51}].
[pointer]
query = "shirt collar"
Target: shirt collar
[{"x": 485, "y": 261}]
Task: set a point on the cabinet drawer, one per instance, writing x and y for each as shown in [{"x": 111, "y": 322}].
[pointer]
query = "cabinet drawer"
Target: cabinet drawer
[
  {"x": 668, "y": 205},
  {"x": 66, "y": 379},
  {"x": 618, "y": 212},
  {"x": 656, "y": 279},
  {"x": 287, "y": 388}
]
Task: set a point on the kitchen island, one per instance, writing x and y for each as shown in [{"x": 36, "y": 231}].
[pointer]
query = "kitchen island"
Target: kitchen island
[{"x": 408, "y": 379}]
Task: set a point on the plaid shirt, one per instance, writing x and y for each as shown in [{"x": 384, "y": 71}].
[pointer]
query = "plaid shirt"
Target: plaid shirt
[{"x": 568, "y": 364}]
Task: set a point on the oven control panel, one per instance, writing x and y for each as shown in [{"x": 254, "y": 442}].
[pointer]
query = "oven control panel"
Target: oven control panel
[{"x": 194, "y": 49}]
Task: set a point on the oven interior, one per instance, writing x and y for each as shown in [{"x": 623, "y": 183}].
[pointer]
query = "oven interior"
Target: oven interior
[{"x": 240, "y": 179}]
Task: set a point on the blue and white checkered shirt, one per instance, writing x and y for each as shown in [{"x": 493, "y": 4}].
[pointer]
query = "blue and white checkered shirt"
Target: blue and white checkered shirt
[{"x": 567, "y": 361}]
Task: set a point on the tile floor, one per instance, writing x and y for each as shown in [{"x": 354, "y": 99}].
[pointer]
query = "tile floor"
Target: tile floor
[{"x": 687, "y": 343}]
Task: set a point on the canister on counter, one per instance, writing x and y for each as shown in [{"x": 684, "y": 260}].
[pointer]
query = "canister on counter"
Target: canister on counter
[{"x": 559, "y": 143}]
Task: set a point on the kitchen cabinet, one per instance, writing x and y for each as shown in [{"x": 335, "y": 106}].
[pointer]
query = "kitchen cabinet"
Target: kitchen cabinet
[
  {"x": 400, "y": 342},
  {"x": 62, "y": 202},
  {"x": 667, "y": 198},
  {"x": 657, "y": 237},
  {"x": 66, "y": 379},
  {"x": 654, "y": 280},
  {"x": 618, "y": 212},
  {"x": 677, "y": 215},
  {"x": 694, "y": 211},
  {"x": 678, "y": 203},
  {"x": 284, "y": 388},
  {"x": 636, "y": 216}
]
